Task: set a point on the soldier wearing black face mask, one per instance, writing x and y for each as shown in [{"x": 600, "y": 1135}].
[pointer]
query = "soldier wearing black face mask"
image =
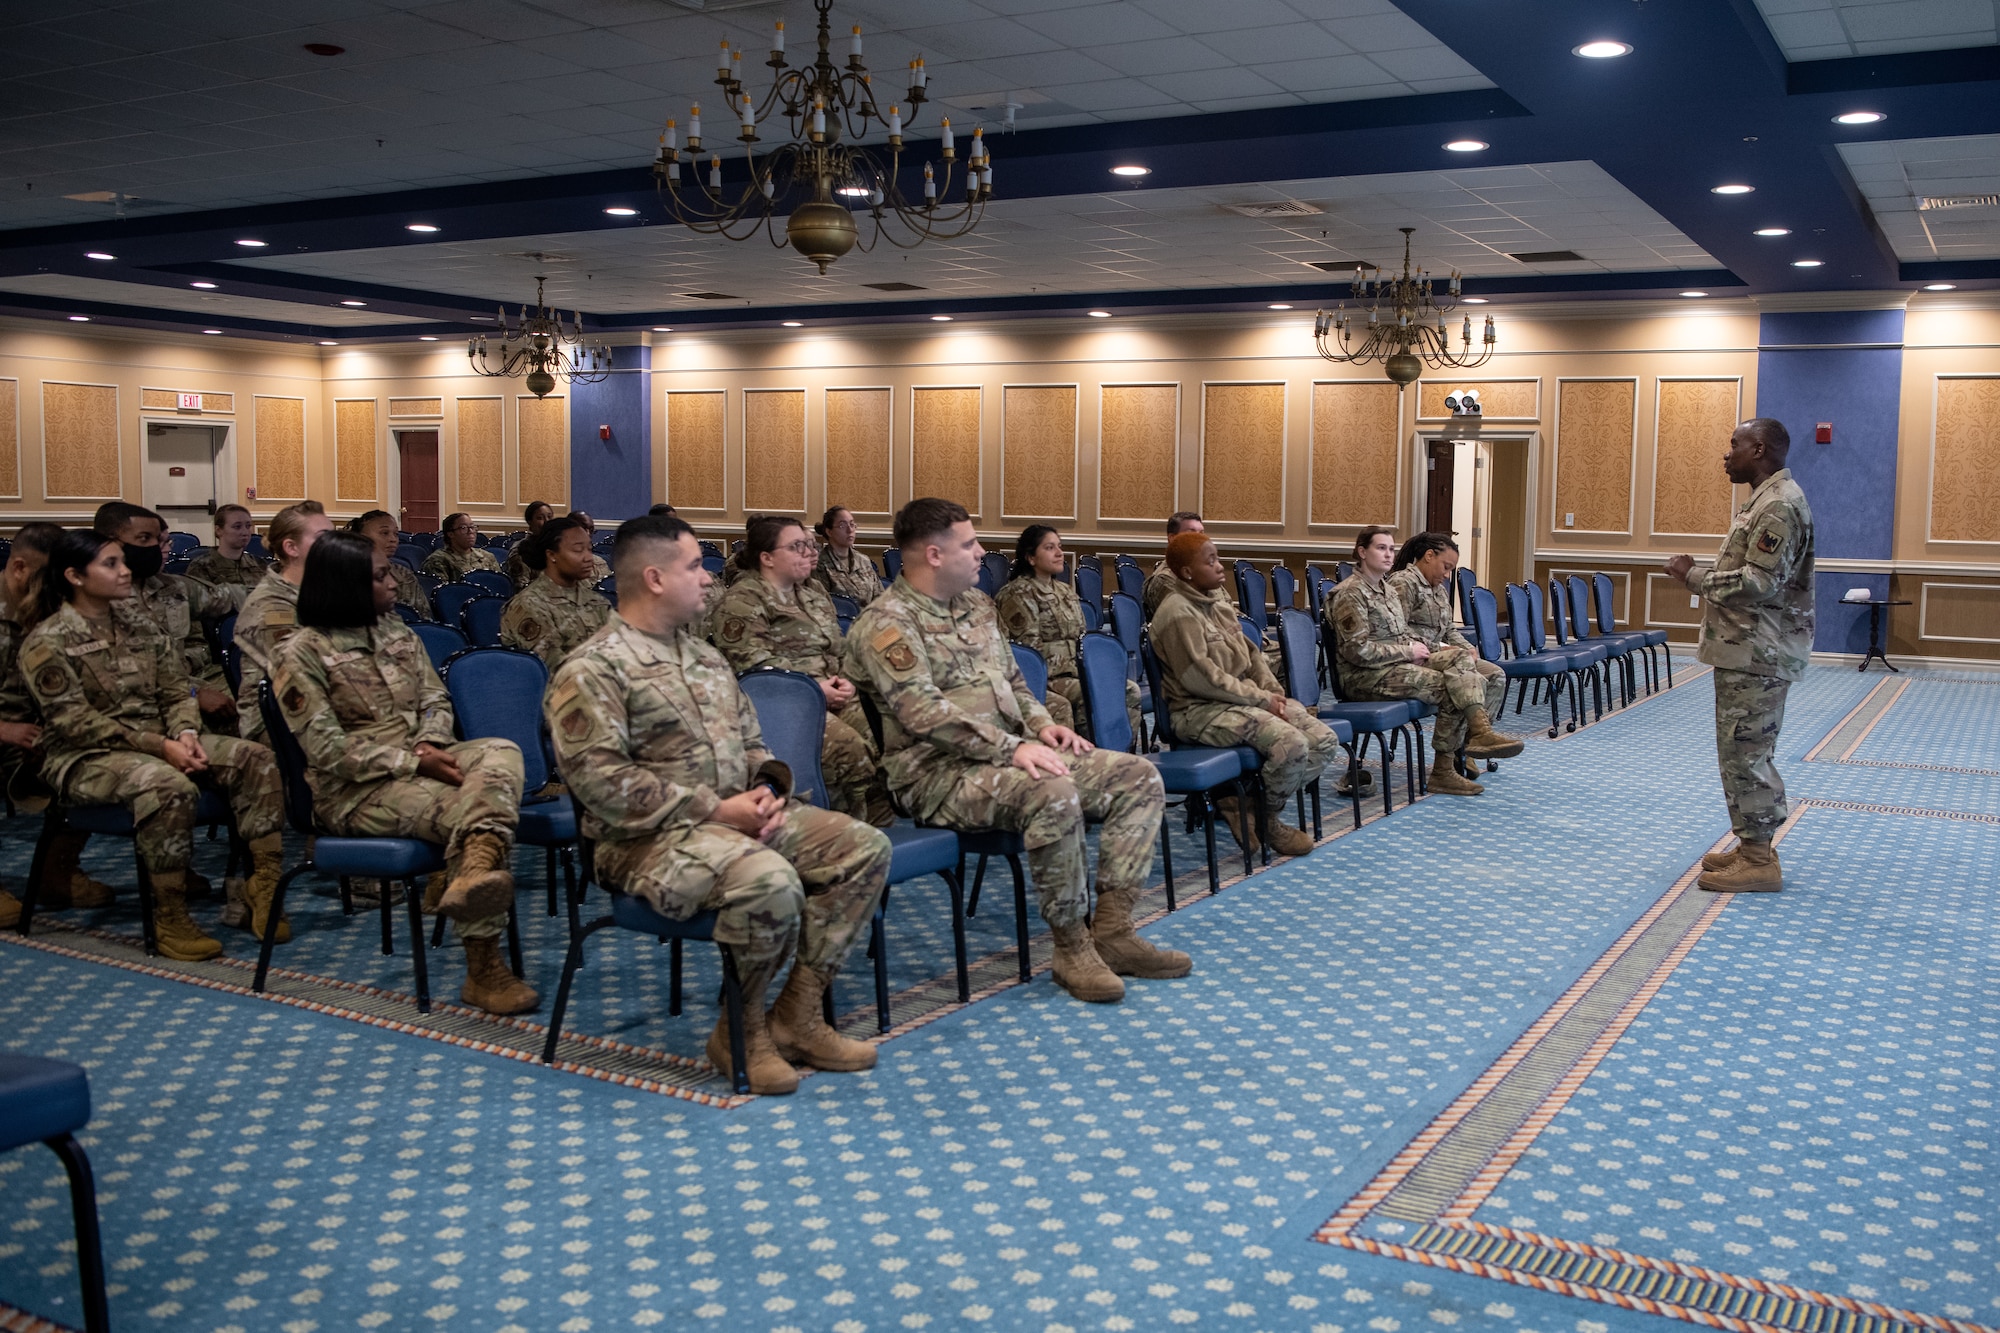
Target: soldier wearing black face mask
[{"x": 180, "y": 607}]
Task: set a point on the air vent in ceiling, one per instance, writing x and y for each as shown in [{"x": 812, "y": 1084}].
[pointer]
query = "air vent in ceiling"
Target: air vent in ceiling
[
  {"x": 1331, "y": 265},
  {"x": 1547, "y": 257},
  {"x": 1281, "y": 208},
  {"x": 708, "y": 296},
  {"x": 894, "y": 286},
  {"x": 1928, "y": 202}
]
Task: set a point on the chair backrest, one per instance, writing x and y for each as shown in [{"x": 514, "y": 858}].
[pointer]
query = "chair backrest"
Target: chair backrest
[
  {"x": 607, "y": 588},
  {"x": 1250, "y": 589},
  {"x": 1343, "y": 570},
  {"x": 1559, "y": 609},
  {"x": 1034, "y": 670},
  {"x": 1093, "y": 618},
  {"x": 480, "y": 619},
  {"x": 489, "y": 581},
  {"x": 1132, "y": 580},
  {"x": 714, "y": 564},
  {"x": 1251, "y": 630},
  {"x": 892, "y": 563},
  {"x": 1316, "y": 578},
  {"x": 1579, "y": 608},
  {"x": 440, "y": 641},
  {"x": 291, "y": 762},
  {"x": 411, "y": 554},
  {"x": 1089, "y": 581},
  {"x": 430, "y": 583},
  {"x": 1464, "y": 581},
  {"x": 176, "y": 564},
  {"x": 1600, "y": 596},
  {"x": 1522, "y": 623},
  {"x": 1163, "y": 722},
  {"x": 844, "y": 610},
  {"x": 1284, "y": 587},
  {"x": 989, "y": 582},
  {"x": 255, "y": 546},
  {"x": 1538, "y": 633},
  {"x": 998, "y": 566},
  {"x": 1298, "y": 646},
  {"x": 497, "y": 692},
  {"x": 1330, "y": 639},
  {"x": 602, "y": 543},
  {"x": 232, "y": 667},
  {"x": 1128, "y": 620},
  {"x": 450, "y": 599},
  {"x": 409, "y": 614},
  {"x": 182, "y": 543},
  {"x": 1101, "y": 667},
  {"x": 1485, "y": 624},
  {"x": 791, "y": 712},
  {"x": 710, "y": 548},
  {"x": 221, "y": 636}
]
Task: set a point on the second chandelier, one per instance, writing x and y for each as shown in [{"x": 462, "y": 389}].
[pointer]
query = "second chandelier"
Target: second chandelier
[{"x": 1406, "y": 328}]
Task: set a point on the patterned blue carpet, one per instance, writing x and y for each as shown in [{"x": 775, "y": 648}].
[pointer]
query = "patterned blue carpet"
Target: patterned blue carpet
[{"x": 1803, "y": 1098}]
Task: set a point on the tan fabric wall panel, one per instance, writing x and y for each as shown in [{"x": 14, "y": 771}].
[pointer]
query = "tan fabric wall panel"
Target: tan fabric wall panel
[
  {"x": 170, "y": 400},
  {"x": 10, "y": 438},
  {"x": 80, "y": 441},
  {"x": 1959, "y": 612},
  {"x": 774, "y": 451},
  {"x": 1356, "y": 429},
  {"x": 1691, "y": 494},
  {"x": 165, "y": 398},
  {"x": 944, "y": 445},
  {"x": 416, "y": 407},
  {"x": 857, "y": 449},
  {"x": 481, "y": 457},
  {"x": 353, "y": 451},
  {"x": 1965, "y": 461},
  {"x": 1138, "y": 450},
  {"x": 695, "y": 435},
  {"x": 278, "y": 441},
  {"x": 544, "y": 452},
  {"x": 1243, "y": 453},
  {"x": 1038, "y": 450},
  {"x": 1594, "y": 425},
  {"x": 1514, "y": 400}
]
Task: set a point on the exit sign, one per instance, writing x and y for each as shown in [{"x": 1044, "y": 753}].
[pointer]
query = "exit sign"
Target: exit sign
[{"x": 190, "y": 402}]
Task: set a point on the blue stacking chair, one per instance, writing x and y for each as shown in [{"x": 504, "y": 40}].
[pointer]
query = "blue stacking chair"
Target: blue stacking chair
[
  {"x": 1343, "y": 570},
  {"x": 1386, "y": 720},
  {"x": 1549, "y": 669},
  {"x": 480, "y": 619},
  {"x": 1463, "y": 581},
  {"x": 430, "y": 583},
  {"x": 607, "y": 588},
  {"x": 1090, "y": 582},
  {"x": 1194, "y": 773},
  {"x": 486, "y": 580},
  {"x": 791, "y": 712},
  {"x": 409, "y": 860},
  {"x": 1586, "y": 658},
  {"x": 181, "y": 543},
  {"x": 411, "y": 554},
  {"x": 450, "y": 599},
  {"x": 710, "y": 548},
  {"x": 1624, "y": 649},
  {"x": 497, "y": 692},
  {"x": 1251, "y": 630},
  {"x": 1284, "y": 587},
  {"x": 714, "y": 564},
  {"x": 255, "y": 546},
  {"x": 440, "y": 642},
  {"x": 1093, "y": 618},
  {"x": 409, "y": 615},
  {"x": 892, "y": 565},
  {"x": 1034, "y": 670},
  {"x": 1250, "y": 591},
  {"x": 1298, "y": 649},
  {"x": 1128, "y": 624},
  {"x": 1651, "y": 639},
  {"x": 845, "y": 609},
  {"x": 1250, "y": 783},
  {"x": 48, "y": 1101},
  {"x": 999, "y": 567},
  {"x": 220, "y": 634},
  {"x": 1132, "y": 580}
]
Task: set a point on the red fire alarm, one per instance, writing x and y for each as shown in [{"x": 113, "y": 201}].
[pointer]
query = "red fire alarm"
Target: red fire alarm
[
  {"x": 1823, "y": 433},
  {"x": 604, "y": 432}
]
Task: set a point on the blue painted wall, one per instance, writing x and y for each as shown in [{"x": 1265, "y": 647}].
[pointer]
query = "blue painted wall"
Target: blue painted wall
[
  {"x": 1843, "y": 366},
  {"x": 613, "y": 479}
]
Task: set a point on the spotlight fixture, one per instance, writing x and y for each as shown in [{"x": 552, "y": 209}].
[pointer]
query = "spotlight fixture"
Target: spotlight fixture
[
  {"x": 1694, "y": 293},
  {"x": 940, "y": 319},
  {"x": 248, "y": 244},
  {"x": 1099, "y": 314},
  {"x": 1859, "y": 118},
  {"x": 1602, "y": 50},
  {"x": 623, "y": 212},
  {"x": 205, "y": 286},
  {"x": 794, "y": 324},
  {"x": 1465, "y": 146},
  {"x": 211, "y": 330},
  {"x": 1278, "y": 305},
  {"x": 424, "y": 227},
  {"x": 1772, "y": 231},
  {"x": 1131, "y": 170},
  {"x": 1940, "y": 286},
  {"x": 1807, "y": 263},
  {"x": 328, "y": 342},
  {"x": 79, "y": 319},
  {"x": 97, "y": 254},
  {"x": 355, "y": 304},
  {"x": 1731, "y": 189}
]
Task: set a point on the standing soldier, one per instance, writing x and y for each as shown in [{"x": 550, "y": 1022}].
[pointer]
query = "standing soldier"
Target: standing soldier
[
  {"x": 558, "y": 609},
  {"x": 180, "y": 607},
  {"x": 359, "y": 693},
  {"x": 1220, "y": 691},
  {"x": 379, "y": 527},
  {"x": 461, "y": 552},
  {"x": 121, "y": 728},
  {"x": 690, "y": 812},
  {"x": 777, "y": 616},
  {"x": 1161, "y": 581},
  {"x": 1423, "y": 577},
  {"x": 842, "y": 569},
  {"x": 967, "y": 747},
  {"x": 1757, "y": 632},
  {"x": 230, "y": 561},
  {"x": 1040, "y": 610}
]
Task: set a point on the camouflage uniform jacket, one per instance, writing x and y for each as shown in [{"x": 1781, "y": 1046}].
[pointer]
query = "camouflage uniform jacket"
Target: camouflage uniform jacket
[
  {"x": 360, "y": 702},
  {"x": 117, "y": 685},
  {"x": 269, "y": 615},
  {"x": 1043, "y": 614},
  {"x": 180, "y": 607},
  {"x": 945, "y": 680},
  {"x": 410, "y": 591},
  {"x": 216, "y": 569},
  {"x": 452, "y": 566},
  {"x": 854, "y": 576},
  {"x": 1374, "y": 634},
  {"x": 1205, "y": 657},
  {"x": 1428, "y": 610},
  {"x": 1757, "y": 603},
  {"x": 16, "y": 704},
  {"x": 652, "y": 734},
  {"x": 517, "y": 570},
  {"x": 756, "y": 625},
  {"x": 1158, "y": 584},
  {"x": 549, "y": 621}
]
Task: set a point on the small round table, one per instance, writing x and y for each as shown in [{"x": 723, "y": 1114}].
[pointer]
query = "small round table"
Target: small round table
[{"x": 1875, "y": 605}]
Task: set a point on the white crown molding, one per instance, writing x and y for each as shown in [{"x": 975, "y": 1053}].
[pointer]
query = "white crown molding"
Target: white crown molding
[{"x": 1790, "y": 302}]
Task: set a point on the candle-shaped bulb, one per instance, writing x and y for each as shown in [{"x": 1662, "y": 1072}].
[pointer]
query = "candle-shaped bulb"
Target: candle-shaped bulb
[
  {"x": 922, "y": 76},
  {"x": 749, "y": 114},
  {"x": 855, "y": 49},
  {"x": 694, "y": 125},
  {"x": 671, "y": 139},
  {"x": 715, "y": 172},
  {"x": 722, "y": 61},
  {"x": 978, "y": 142},
  {"x": 778, "y": 38},
  {"x": 947, "y": 135},
  {"x": 930, "y": 185},
  {"x": 819, "y": 116},
  {"x": 895, "y": 123}
]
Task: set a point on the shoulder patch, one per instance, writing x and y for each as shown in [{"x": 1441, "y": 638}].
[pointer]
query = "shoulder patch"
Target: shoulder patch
[
  {"x": 50, "y": 680},
  {"x": 529, "y": 628},
  {"x": 899, "y": 656},
  {"x": 294, "y": 700},
  {"x": 277, "y": 616},
  {"x": 886, "y": 636},
  {"x": 733, "y": 629},
  {"x": 1767, "y": 540}
]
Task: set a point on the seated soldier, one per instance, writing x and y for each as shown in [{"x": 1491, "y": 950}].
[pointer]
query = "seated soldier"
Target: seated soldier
[
  {"x": 461, "y": 553},
  {"x": 1220, "y": 691},
  {"x": 230, "y": 561},
  {"x": 1424, "y": 577},
  {"x": 561, "y": 606},
  {"x": 179, "y": 606},
  {"x": 1161, "y": 581},
  {"x": 690, "y": 813},
  {"x": 379, "y": 527},
  {"x": 1039, "y": 609},
  {"x": 842, "y": 568},
  {"x": 967, "y": 747},
  {"x": 537, "y": 513},
  {"x": 599, "y": 571},
  {"x": 1381, "y": 658}
]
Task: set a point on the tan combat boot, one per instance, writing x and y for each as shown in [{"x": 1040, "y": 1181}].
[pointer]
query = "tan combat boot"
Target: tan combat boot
[
  {"x": 767, "y": 1071},
  {"x": 179, "y": 938},
  {"x": 799, "y": 1030},
  {"x": 1482, "y": 742},
  {"x": 488, "y": 983},
  {"x": 10, "y": 910},
  {"x": 1446, "y": 781},
  {"x": 1240, "y": 823},
  {"x": 1286, "y": 840},
  {"x": 1080, "y": 970},
  {"x": 267, "y": 860},
  {"x": 1755, "y": 870},
  {"x": 1120, "y": 947},
  {"x": 1720, "y": 860},
  {"x": 198, "y": 888},
  {"x": 483, "y": 885}
]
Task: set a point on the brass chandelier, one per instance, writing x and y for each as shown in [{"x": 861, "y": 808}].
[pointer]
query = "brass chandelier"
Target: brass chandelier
[
  {"x": 1406, "y": 328},
  {"x": 541, "y": 347},
  {"x": 826, "y": 111}
]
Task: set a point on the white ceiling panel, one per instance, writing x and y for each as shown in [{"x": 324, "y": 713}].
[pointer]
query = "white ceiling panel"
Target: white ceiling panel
[
  {"x": 1896, "y": 175},
  {"x": 104, "y": 291},
  {"x": 1834, "y": 29}
]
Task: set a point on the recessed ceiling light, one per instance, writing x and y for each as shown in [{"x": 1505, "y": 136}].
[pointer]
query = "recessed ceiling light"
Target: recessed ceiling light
[
  {"x": 356, "y": 304},
  {"x": 1940, "y": 286},
  {"x": 79, "y": 319},
  {"x": 328, "y": 342},
  {"x": 623, "y": 212},
  {"x": 1807, "y": 263},
  {"x": 419, "y": 226},
  {"x": 661, "y": 328},
  {"x": 1694, "y": 293},
  {"x": 205, "y": 286},
  {"x": 1131, "y": 171},
  {"x": 940, "y": 319},
  {"x": 252, "y": 245},
  {"x": 1859, "y": 118},
  {"x": 211, "y": 330},
  {"x": 1465, "y": 146},
  {"x": 1279, "y": 305},
  {"x": 427, "y": 337},
  {"x": 795, "y": 323},
  {"x": 1602, "y": 50},
  {"x": 1472, "y": 300},
  {"x": 1731, "y": 189},
  {"x": 1099, "y": 314},
  {"x": 1773, "y": 231},
  {"x": 98, "y": 254}
]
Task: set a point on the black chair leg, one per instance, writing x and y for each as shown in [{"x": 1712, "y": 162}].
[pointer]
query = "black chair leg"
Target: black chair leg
[
  {"x": 674, "y": 965},
  {"x": 978, "y": 882},
  {"x": 52, "y": 823},
  {"x": 513, "y": 939},
  {"x": 148, "y": 930},
  {"x": 1020, "y": 909},
  {"x": 277, "y": 914},
  {"x": 1387, "y": 741},
  {"x": 956, "y": 887},
  {"x": 571, "y": 962},
  {"x": 826, "y": 1011},
  {"x": 89, "y": 1245},
  {"x": 346, "y": 896},
  {"x": 570, "y": 895},
  {"x": 385, "y": 909},
  {"x": 437, "y": 933},
  {"x": 1208, "y": 836},
  {"x": 732, "y": 1003},
  {"x": 1167, "y": 855},
  {"x": 416, "y": 912},
  {"x": 881, "y": 943},
  {"x": 549, "y": 866}
]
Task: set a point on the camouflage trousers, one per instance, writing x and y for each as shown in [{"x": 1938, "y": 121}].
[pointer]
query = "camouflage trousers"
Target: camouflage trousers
[
  {"x": 1296, "y": 748},
  {"x": 1454, "y": 681},
  {"x": 1122, "y": 792},
  {"x": 1749, "y": 710},
  {"x": 1067, "y": 706},
  {"x": 488, "y": 801},
  {"x": 162, "y": 798},
  {"x": 811, "y": 886},
  {"x": 854, "y": 782}
]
